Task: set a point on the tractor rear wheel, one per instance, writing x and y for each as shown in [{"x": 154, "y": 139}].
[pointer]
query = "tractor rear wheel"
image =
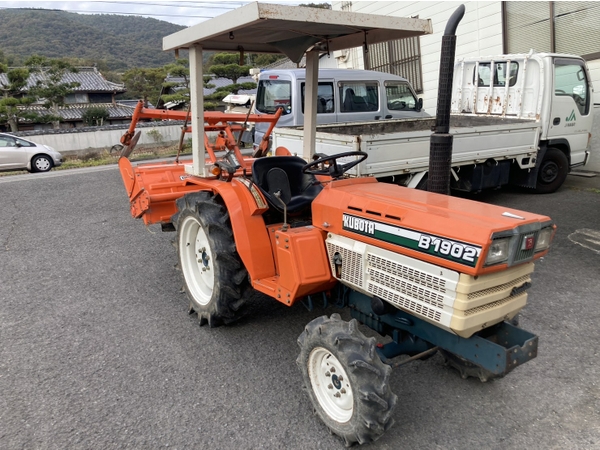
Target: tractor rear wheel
[
  {"x": 215, "y": 278},
  {"x": 347, "y": 382}
]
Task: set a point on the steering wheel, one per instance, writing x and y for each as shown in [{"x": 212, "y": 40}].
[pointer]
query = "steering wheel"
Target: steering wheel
[{"x": 334, "y": 169}]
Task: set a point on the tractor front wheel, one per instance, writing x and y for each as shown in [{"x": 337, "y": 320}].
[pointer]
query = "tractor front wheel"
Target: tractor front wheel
[
  {"x": 347, "y": 382},
  {"x": 215, "y": 278}
]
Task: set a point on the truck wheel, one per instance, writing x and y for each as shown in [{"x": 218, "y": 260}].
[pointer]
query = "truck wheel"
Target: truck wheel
[
  {"x": 422, "y": 185},
  {"x": 553, "y": 171},
  {"x": 347, "y": 382},
  {"x": 215, "y": 278}
]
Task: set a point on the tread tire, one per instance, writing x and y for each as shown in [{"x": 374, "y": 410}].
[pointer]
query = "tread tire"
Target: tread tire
[
  {"x": 422, "y": 185},
  {"x": 553, "y": 171},
  {"x": 231, "y": 287},
  {"x": 373, "y": 401}
]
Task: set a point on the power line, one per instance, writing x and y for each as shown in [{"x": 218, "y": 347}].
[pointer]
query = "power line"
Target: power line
[
  {"x": 187, "y": 4},
  {"x": 173, "y": 4},
  {"x": 121, "y": 13}
]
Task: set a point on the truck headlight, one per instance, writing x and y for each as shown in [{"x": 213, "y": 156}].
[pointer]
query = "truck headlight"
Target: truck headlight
[
  {"x": 498, "y": 251},
  {"x": 544, "y": 239}
]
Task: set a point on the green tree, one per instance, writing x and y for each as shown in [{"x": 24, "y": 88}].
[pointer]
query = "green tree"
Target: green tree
[
  {"x": 14, "y": 102},
  {"x": 317, "y": 5},
  {"x": 50, "y": 85},
  {"x": 144, "y": 84},
  {"x": 95, "y": 116},
  {"x": 264, "y": 59},
  {"x": 226, "y": 65},
  {"x": 179, "y": 91}
]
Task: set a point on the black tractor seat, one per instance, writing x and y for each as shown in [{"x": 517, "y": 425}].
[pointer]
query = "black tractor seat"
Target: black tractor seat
[{"x": 283, "y": 175}]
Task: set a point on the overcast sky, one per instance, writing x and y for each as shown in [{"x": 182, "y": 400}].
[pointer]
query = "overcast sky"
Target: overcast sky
[{"x": 181, "y": 12}]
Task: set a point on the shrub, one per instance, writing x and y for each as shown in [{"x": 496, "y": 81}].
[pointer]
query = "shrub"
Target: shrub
[{"x": 95, "y": 116}]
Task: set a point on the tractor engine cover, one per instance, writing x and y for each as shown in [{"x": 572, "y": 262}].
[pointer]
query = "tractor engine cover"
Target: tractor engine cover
[{"x": 426, "y": 253}]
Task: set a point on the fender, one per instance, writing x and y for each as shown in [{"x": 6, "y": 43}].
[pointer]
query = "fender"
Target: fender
[
  {"x": 560, "y": 143},
  {"x": 529, "y": 179},
  {"x": 249, "y": 230},
  {"x": 153, "y": 188}
]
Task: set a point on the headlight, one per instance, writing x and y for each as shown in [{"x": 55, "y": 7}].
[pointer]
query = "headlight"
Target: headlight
[
  {"x": 498, "y": 251},
  {"x": 544, "y": 239}
]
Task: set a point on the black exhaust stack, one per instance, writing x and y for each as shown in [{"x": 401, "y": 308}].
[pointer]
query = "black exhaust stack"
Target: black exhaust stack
[{"x": 440, "y": 150}]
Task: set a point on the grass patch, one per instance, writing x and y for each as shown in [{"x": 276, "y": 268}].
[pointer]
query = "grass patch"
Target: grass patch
[{"x": 592, "y": 190}]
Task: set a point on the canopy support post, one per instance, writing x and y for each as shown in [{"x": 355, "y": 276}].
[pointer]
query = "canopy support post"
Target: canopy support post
[
  {"x": 198, "y": 167},
  {"x": 310, "y": 104}
]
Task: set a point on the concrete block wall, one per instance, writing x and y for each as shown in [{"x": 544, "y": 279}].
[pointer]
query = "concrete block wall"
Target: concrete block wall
[{"x": 93, "y": 139}]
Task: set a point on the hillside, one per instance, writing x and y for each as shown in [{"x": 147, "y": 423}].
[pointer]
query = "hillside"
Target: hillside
[{"x": 120, "y": 42}]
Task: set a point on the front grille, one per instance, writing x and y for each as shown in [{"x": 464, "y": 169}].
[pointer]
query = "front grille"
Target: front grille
[
  {"x": 408, "y": 273},
  {"x": 501, "y": 287},
  {"x": 481, "y": 308},
  {"x": 407, "y": 288},
  {"x": 406, "y": 303},
  {"x": 524, "y": 255},
  {"x": 352, "y": 266},
  {"x": 459, "y": 303}
]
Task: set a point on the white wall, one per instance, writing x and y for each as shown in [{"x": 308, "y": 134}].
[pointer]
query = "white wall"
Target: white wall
[
  {"x": 479, "y": 33},
  {"x": 102, "y": 139},
  {"x": 594, "y": 67}
]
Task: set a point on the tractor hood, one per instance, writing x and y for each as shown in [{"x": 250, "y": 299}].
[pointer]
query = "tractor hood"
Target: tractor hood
[{"x": 447, "y": 231}]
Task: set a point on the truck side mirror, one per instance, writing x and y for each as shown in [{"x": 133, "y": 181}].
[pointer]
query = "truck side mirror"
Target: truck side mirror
[{"x": 419, "y": 105}]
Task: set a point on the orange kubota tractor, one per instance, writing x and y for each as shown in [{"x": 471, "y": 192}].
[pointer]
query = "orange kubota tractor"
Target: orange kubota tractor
[{"x": 433, "y": 272}]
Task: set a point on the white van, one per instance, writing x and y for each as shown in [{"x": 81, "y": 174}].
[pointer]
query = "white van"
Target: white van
[{"x": 343, "y": 96}]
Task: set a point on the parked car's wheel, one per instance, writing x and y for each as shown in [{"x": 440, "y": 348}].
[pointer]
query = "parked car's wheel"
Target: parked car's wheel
[{"x": 41, "y": 163}]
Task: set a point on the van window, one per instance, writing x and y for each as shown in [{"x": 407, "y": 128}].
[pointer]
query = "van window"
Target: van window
[
  {"x": 324, "y": 98},
  {"x": 358, "y": 96},
  {"x": 570, "y": 80},
  {"x": 273, "y": 94},
  {"x": 500, "y": 74},
  {"x": 399, "y": 96}
]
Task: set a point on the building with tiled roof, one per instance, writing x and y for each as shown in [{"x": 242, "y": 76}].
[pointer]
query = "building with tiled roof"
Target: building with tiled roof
[{"x": 94, "y": 91}]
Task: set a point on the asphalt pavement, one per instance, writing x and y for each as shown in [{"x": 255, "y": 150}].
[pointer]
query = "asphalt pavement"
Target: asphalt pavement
[{"x": 97, "y": 350}]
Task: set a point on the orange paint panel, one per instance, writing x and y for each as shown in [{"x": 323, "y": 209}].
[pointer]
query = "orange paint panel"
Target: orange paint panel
[
  {"x": 303, "y": 266},
  {"x": 452, "y": 218},
  {"x": 154, "y": 188},
  {"x": 250, "y": 232}
]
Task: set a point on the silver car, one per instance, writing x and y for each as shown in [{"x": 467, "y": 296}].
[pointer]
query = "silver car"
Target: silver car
[{"x": 19, "y": 154}]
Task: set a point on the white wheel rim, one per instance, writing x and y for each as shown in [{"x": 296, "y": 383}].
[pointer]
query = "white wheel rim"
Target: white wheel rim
[
  {"x": 196, "y": 260},
  {"x": 42, "y": 164},
  {"x": 330, "y": 384}
]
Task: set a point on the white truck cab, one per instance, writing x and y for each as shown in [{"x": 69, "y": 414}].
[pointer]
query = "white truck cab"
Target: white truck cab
[
  {"x": 343, "y": 96},
  {"x": 553, "y": 89}
]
